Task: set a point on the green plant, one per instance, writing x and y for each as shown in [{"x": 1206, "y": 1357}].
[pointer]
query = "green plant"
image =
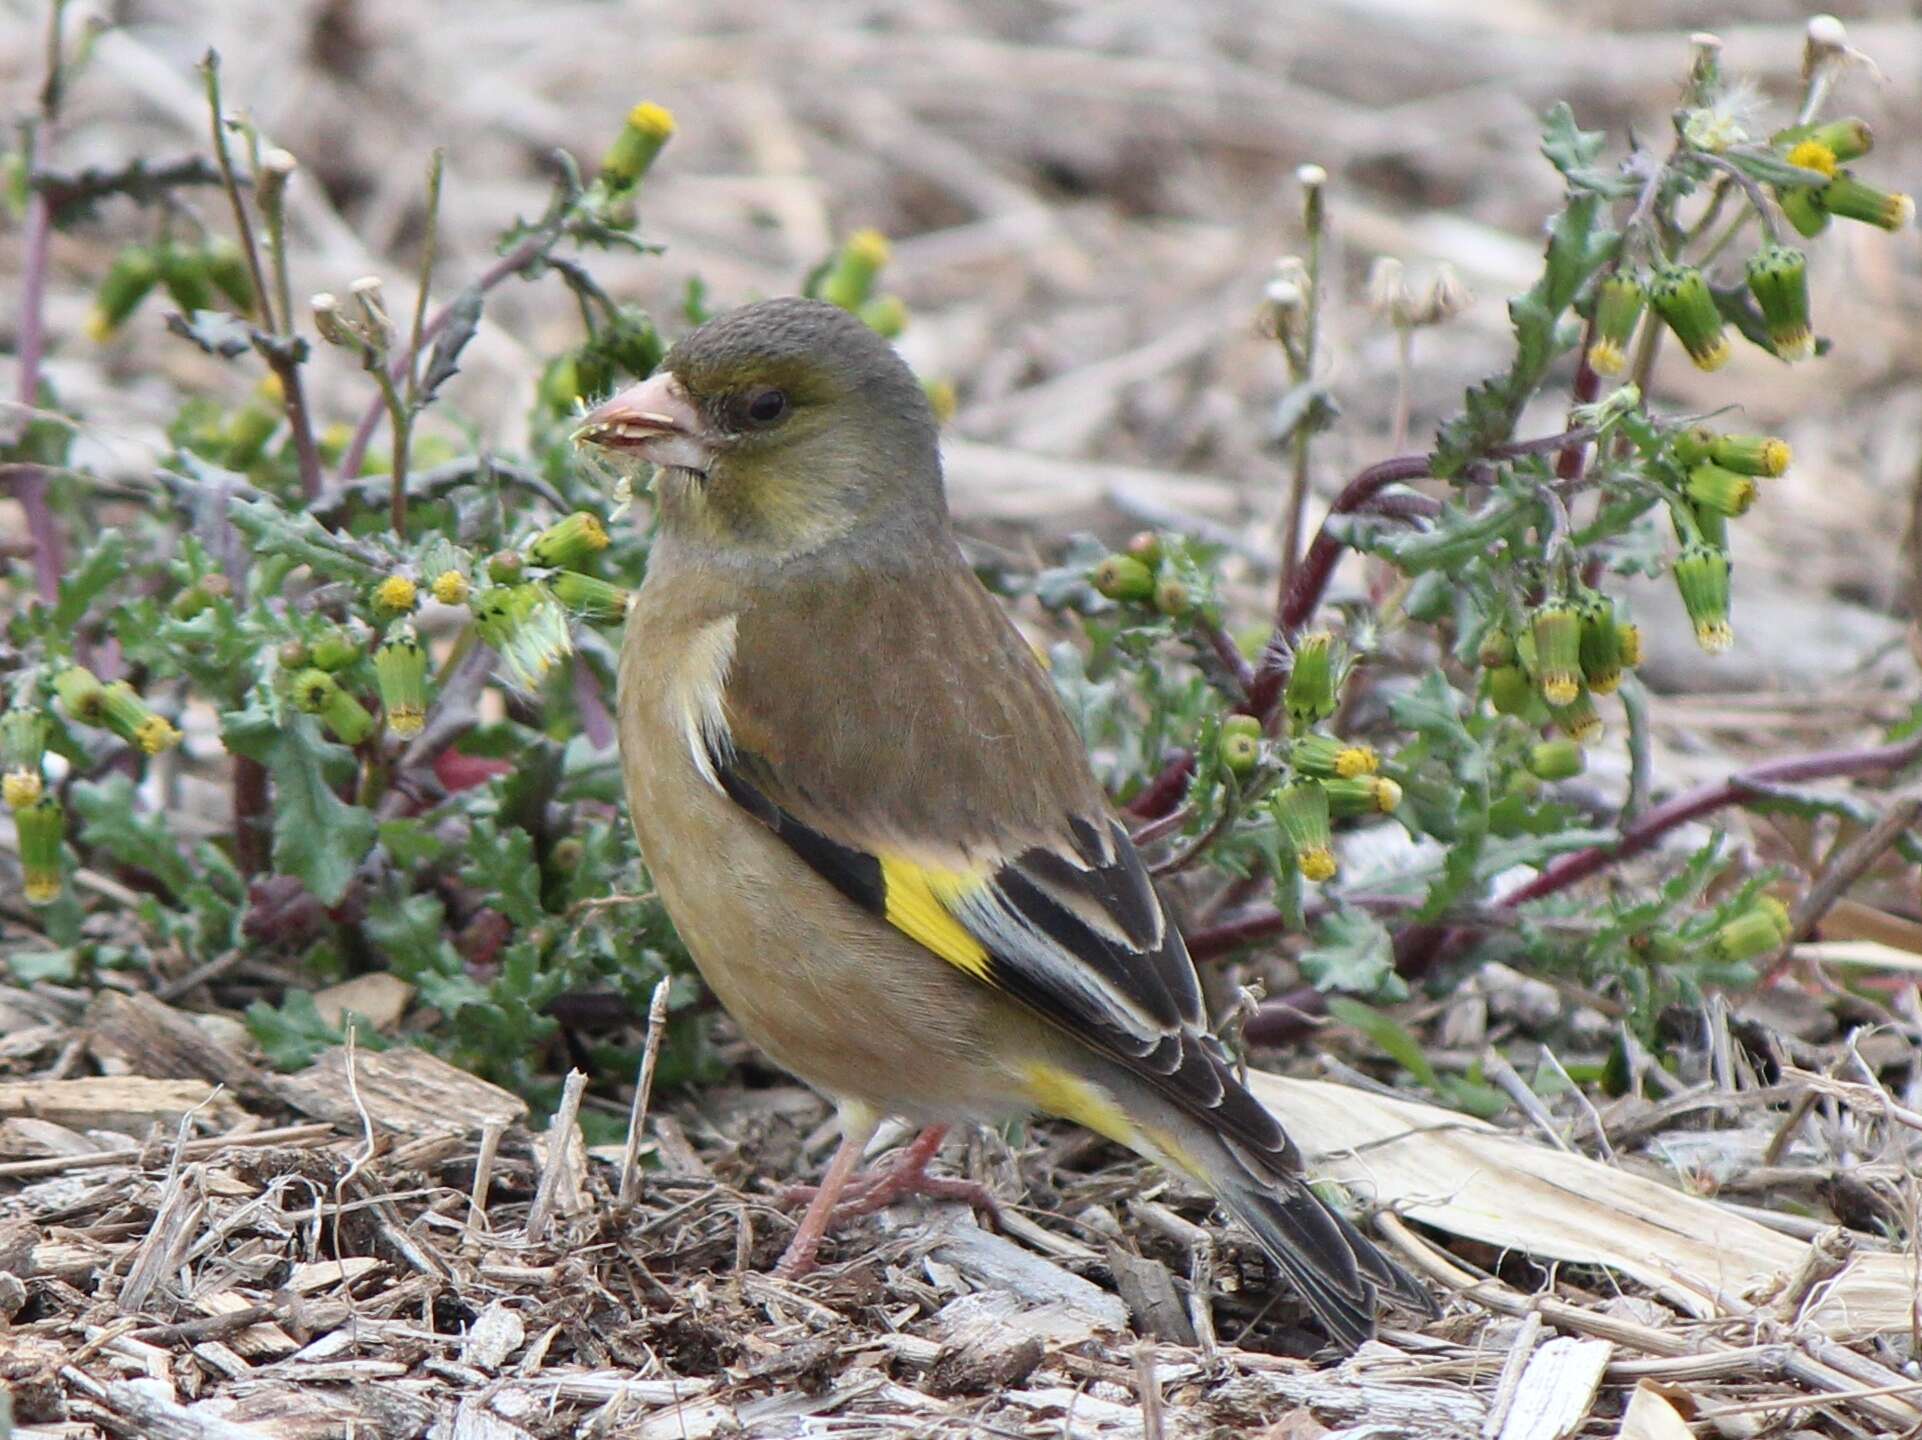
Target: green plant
[{"x": 322, "y": 617}]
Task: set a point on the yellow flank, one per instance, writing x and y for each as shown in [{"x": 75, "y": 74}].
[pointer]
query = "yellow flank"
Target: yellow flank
[
  {"x": 916, "y": 907},
  {"x": 1057, "y": 1092}
]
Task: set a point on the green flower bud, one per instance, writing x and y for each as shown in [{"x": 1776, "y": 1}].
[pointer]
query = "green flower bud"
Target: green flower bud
[
  {"x": 560, "y": 385},
  {"x": 570, "y": 543},
  {"x": 198, "y": 596},
  {"x": 648, "y": 129},
  {"x": 1601, "y": 649},
  {"x": 319, "y": 693},
  {"x": 1618, "y": 306},
  {"x": 227, "y": 269},
  {"x": 1714, "y": 488},
  {"x": 504, "y": 567},
  {"x": 1803, "y": 209},
  {"x": 1578, "y": 719},
  {"x": 1361, "y": 795},
  {"x": 886, "y": 315},
  {"x": 1301, "y": 811},
  {"x": 1556, "y": 759},
  {"x": 1753, "y": 933},
  {"x": 567, "y": 853},
  {"x": 1122, "y": 577},
  {"x": 82, "y": 695},
  {"x": 1557, "y": 631},
  {"x": 294, "y": 655},
  {"x": 1522, "y": 786},
  {"x": 133, "y": 274},
  {"x": 1701, "y": 574},
  {"x": 1314, "y": 680},
  {"x": 1778, "y": 278},
  {"x": 41, "y": 827},
  {"x": 526, "y": 627},
  {"x": 1239, "y": 752},
  {"x": 1172, "y": 597},
  {"x": 1241, "y": 725},
  {"x": 129, "y": 717},
  {"x": 1751, "y": 454},
  {"x": 1628, "y": 637},
  {"x": 849, "y": 278},
  {"x": 600, "y": 601},
  {"x": 1510, "y": 690},
  {"x": 1145, "y": 546},
  {"x": 184, "y": 273},
  {"x": 1326, "y": 757},
  {"x": 336, "y": 648},
  {"x": 23, "y": 743},
  {"x": 1693, "y": 445},
  {"x": 400, "y": 670},
  {"x": 1854, "y": 199},
  {"x": 1497, "y": 648},
  {"x": 1681, "y": 297}
]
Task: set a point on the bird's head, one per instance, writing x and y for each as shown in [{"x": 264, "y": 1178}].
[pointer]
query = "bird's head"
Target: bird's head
[{"x": 779, "y": 428}]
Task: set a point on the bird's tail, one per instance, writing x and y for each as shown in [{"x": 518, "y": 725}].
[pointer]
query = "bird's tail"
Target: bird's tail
[{"x": 1338, "y": 1270}]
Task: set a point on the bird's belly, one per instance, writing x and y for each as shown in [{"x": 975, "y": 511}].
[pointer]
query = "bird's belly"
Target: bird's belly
[{"x": 829, "y": 991}]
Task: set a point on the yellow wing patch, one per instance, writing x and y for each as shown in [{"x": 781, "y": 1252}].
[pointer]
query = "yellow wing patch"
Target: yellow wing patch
[{"x": 916, "y": 899}]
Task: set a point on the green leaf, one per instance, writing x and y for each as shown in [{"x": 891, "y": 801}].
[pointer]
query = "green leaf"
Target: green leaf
[
  {"x": 1579, "y": 243},
  {"x": 106, "y": 562},
  {"x": 319, "y": 838},
  {"x": 1388, "y": 1035},
  {"x": 111, "y": 819},
  {"x": 1353, "y": 951},
  {"x": 501, "y": 864},
  {"x": 297, "y": 536}
]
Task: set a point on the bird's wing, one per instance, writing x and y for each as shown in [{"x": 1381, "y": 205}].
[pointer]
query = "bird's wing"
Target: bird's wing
[{"x": 969, "y": 820}]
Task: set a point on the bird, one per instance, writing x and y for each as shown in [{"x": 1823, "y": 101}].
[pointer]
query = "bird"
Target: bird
[{"x": 872, "y": 822}]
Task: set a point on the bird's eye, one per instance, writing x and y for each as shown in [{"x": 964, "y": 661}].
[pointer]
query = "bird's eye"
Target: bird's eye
[{"x": 765, "y": 406}]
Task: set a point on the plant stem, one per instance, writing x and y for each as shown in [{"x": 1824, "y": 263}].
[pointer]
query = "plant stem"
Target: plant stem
[
  {"x": 49, "y": 557},
  {"x": 1705, "y": 800},
  {"x": 1312, "y": 212},
  {"x": 511, "y": 263},
  {"x": 280, "y": 355},
  {"x": 1163, "y": 793}
]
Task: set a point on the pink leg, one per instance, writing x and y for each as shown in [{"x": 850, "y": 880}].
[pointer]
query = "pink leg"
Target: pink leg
[
  {"x": 904, "y": 1176},
  {"x": 801, "y": 1250}
]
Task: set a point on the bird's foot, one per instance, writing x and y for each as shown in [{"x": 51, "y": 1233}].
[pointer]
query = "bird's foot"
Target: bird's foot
[{"x": 903, "y": 1177}]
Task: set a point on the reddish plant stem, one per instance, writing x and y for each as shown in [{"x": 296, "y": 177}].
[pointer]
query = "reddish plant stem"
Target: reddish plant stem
[
  {"x": 1573, "y": 460},
  {"x": 1309, "y": 582},
  {"x": 1163, "y": 793},
  {"x": 1303, "y": 593},
  {"x": 511, "y": 263},
  {"x": 1419, "y": 948},
  {"x": 250, "y": 802},
  {"x": 1166, "y": 825},
  {"x": 1705, "y": 800}
]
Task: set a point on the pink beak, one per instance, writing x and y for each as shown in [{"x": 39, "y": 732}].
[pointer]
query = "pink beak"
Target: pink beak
[{"x": 654, "y": 421}]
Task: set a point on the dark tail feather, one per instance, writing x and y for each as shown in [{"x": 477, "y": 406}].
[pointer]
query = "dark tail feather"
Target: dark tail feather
[{"x": 1338, "y": 1270}]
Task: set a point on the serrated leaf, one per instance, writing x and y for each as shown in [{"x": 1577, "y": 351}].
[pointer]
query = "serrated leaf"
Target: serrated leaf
[
  {"x": 111, "y": 819},
  {"x": 443, "y": 361},
  {"x": 299, "y": 537},
  {"x": 319, "y": 838},
  {"x": 1354, "y": 952},
  {"x": 501, "y": 865},
  {"x": 104, "y": 563}
]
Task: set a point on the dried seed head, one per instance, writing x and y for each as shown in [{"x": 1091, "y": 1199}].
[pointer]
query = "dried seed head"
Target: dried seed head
[
  {"x": 1389, "y": 299},
  {"x": 1446, "y": 297}
]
